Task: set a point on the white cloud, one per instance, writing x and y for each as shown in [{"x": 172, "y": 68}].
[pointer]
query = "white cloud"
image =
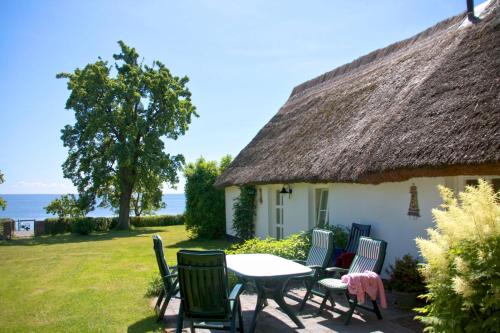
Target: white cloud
[{"x": 37, "y": 187}]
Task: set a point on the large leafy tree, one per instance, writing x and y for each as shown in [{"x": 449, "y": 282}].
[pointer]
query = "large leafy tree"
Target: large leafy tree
[
  {"x": 123, "y": 114},
  {"x": 3, "y": 203}
]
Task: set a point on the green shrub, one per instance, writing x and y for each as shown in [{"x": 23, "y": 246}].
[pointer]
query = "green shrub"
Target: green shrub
[
  {"x": 82, "y": 225},
  {"x": 340, "y": 234},
  {"x": 155, "y": 221},
  {"x": 405, "y": 276},
  {"x": 295, "y": 246},
  {"x": 155, "y": 286},
  {"x": 462, "y": 263},
  {"x": 205, "y": 215},
  {"x": 244, "y": 212},
  {"x": 54, "y": 226}
]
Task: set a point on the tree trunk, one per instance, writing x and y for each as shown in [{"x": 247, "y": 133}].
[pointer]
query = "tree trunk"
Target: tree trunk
[{"x": 126, "y": 188}]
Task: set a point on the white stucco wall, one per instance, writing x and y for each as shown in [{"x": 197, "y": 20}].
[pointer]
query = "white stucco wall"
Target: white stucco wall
[
  {"x": 231, "y": 193},
  {"x": 385, "y": 208}
]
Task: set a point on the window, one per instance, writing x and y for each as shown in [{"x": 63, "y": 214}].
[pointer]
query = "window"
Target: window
[
  {"x": 472, "y": 182},
  {"x": 496, "y": 184},
  {"x": 321, "y": 207}
]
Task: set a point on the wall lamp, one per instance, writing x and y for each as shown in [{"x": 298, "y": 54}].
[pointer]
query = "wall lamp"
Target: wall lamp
[{"x": 286, "y": 190}]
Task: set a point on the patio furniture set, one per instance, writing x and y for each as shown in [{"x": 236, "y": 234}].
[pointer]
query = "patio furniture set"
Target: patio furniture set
[{"x": 200, "y": 280}]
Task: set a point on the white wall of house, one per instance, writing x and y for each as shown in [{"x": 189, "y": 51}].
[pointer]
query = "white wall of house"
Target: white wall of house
[{"x": 384, "y": 207}]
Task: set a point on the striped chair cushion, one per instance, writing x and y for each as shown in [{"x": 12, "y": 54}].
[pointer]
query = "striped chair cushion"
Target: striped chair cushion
[
  {"x": 333, "y": 284},
  {"x": 369, "y": 256},
  {"x": 321, "y": 248}
]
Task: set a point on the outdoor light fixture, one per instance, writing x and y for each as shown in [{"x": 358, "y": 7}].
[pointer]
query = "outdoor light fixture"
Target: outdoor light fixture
[{"x": 286, "y": 190}]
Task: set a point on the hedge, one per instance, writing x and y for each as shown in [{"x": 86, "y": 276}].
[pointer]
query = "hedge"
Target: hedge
[{"x": 85, "y": 225}]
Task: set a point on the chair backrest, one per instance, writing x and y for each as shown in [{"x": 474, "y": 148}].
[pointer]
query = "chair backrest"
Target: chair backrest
[
  {"x": 162, "y": 263},
  {"x": 370, "y": 256},
  {"x": 321, "y": 248},
  {"x": 357, "y": 231},
  {"x": 203, "y": 284}
]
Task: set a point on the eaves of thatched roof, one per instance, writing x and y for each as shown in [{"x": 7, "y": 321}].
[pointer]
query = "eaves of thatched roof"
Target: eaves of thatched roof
[{"x": 426, "y": 106}]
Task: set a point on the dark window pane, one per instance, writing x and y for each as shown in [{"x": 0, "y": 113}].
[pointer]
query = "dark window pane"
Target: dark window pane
[
  {"x": 496, "y": 184},
  {"x": 472, "y": 182}
]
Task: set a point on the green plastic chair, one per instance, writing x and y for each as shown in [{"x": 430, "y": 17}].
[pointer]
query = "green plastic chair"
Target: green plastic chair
[
  {"x": 204, "y": 292},
  {"x": 318, "y": 258},
  {"x": 168, "y": 276},
  {"x": 370, "y": 256}
]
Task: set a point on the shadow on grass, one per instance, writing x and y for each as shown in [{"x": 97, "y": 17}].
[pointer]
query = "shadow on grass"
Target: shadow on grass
[
  {"x": 145, "y": 325},
  {"x": 72, "y": 238},
  {"x": 206, "y": 244}
]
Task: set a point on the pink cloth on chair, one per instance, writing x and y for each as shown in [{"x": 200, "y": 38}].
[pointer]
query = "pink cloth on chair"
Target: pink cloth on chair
[{"x": 367, "y": 282}]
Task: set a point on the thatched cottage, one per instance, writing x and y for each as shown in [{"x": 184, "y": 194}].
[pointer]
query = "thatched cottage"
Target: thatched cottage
[{"x": 370, "y": 141}]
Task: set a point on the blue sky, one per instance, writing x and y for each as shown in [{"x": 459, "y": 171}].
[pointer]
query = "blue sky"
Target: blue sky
[{"x": 243, "y": 60}]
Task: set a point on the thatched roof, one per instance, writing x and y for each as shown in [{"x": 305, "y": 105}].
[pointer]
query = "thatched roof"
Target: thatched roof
[{"x": 426, "y": 106}]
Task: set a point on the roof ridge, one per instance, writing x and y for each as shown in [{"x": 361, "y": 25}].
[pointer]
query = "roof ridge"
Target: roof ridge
[{"x": 376, "y": 55}]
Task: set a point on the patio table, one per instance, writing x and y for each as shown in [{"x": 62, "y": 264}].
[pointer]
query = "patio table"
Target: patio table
[{"x": 270, "y": 274}]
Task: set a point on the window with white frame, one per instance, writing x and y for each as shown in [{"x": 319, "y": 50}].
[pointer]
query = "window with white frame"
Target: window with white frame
[
  {"x": 474, "y": 181},
  {"x": 321, "y": 207}
]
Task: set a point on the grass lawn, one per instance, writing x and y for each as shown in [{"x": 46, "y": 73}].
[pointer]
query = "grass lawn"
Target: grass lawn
[{"x": 94, "y": 283}]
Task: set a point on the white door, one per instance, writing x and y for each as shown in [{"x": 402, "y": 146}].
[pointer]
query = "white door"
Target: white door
[{"x": 278, "y": 215}]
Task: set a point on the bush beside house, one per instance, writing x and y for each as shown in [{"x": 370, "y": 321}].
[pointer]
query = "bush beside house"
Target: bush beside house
[
  {"x": 205, "y": 215},
  {"x": 462, "y": 266}
]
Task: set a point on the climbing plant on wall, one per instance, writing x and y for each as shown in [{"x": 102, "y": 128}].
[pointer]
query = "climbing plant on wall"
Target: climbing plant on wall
[{"x": 244, "y": 212}]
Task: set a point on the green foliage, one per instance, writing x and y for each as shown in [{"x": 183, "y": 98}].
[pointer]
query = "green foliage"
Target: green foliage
[
  {"x": 155, "y": 286},
  {"x": 82, "y": 225},
  {"x": 66, "y": 205},
  {"x": 295, "y": 246},
  {"x": 54, "y": 226},
  {"x": 3, "y": 203},
  {"x": 462, "y": 266},
  {"x": 340, "y": 234},
  {"x": 205, "y": 212},
  {"x": 244, "y": 212},
  {"x": 405, "y": 276},
  {"x": 123, "y": 114},
  {"x": 156, "y": 221}
]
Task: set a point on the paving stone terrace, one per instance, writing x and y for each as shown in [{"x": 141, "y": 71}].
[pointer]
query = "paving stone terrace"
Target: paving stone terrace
[{"x": 272, "y": 319}]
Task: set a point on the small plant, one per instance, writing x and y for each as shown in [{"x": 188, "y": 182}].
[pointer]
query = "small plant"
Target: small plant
[
  {"x": 155, "y": 286},
  {"x": 405, "y": 276}
]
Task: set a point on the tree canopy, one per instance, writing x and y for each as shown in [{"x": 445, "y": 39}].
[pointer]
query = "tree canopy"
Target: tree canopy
[
  {"x": 66, "y": 205},
  {"x": 124, "y": 114},
  {"x": 3, "y": 203}
]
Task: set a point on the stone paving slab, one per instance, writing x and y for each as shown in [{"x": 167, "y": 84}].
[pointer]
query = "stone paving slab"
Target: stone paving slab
[{"x": 272, "y": 319}]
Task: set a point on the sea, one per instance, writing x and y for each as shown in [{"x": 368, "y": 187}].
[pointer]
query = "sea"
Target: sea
[{"x": 31, "y": 206}]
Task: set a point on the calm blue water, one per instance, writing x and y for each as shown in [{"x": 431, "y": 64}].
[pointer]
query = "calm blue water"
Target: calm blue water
[{"x": 30, "y": 206}]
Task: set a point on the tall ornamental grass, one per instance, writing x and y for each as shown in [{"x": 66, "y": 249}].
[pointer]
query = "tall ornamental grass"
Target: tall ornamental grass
[{"x": 462, "y": 269}]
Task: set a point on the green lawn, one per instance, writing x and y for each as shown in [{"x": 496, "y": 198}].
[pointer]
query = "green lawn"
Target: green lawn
[{"x": 94, "y": 283}]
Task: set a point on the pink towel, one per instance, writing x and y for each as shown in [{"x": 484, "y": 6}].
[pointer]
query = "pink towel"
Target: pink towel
[{"x": 367, "y": 282}]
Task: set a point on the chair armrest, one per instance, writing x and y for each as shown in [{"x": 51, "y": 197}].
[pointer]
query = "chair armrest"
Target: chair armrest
[
  {"x": 235, "y": 293},
  {"x": 337, "y": 270}
]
